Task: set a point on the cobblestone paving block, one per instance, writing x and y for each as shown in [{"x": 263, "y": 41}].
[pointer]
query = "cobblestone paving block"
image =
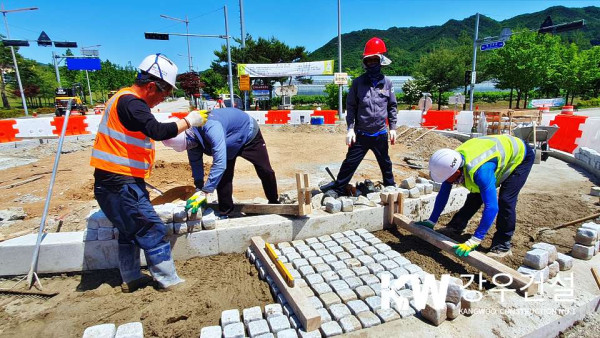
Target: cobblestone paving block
[
  {"x": 354, "y": 282},
  {"x": 336, "y": 249},
  {"x": 342, "y": 256},
  {"x": 348, "y": 246},
  {"x": 342, "y": 240},
  {"x": 339, "y": 311},
  {"x": 329, "y": 276},
  {"x": 325, "y": 316},
  {"x": 328, "y": 258},
  {"x": 329, "y": 299},
  {"x": 391, "y": 254},
  {"x": 287, "y": 333},
  {"x": 316, "y": 302},
  {"x": 209, "y": 332},
  {"x": 311, "y": 334},
  {"x": 331, "y": 329},
  {"x": 315, "y": 260},
  {"x": 350, "y": 324},
  {"x": 349, "y": 233},
  {"x": 370, "y": 250},
  {"x": 320, "y": 268},
  {"x": 345, "y": 273},
  {"x": 229, "y": 317},
  {"x": 297, "y": 263},
  {"x": 252, "y": 314},
  {"x": 389, "y": 265},
  {"x": 347, "y": 295},
  {"x": 355, "y": 238},
  {"x": 361, "y": 244},
  {"x": 552, "y": 252},
  {"x": 293, "y": 256},
  {"x": 258, "y": 327},
  {"x": 273, "y": 310},
  {"x": 413, "y": 268},
  {"x": 302, "y": 247},
  {"x": 364, "y": 292},
  {"x": 379, "y": 257},
  {"x": 356, "y": 253},
  {"x": 365, "y": 260},
  {"x": 435, "y": 314},
  {"x": 368, "y": 319},
  {"x": 337, "y": 235},
  {"x": 366, "y": 236},
  {"x": 317, "y": 246},
  {"x": 324, "y": 238},
  {"x": 401, "y": 261},
  {"x": 361, "y": 271},
  {"x": 373, "y": 241},
  {"x": 314, "y": 279},
  {"x": 387, "y": 315},
  {"x": 565, "y": 262},
  {"x": 454, "y": 293},
  {"x": 369, "y": 279},
  {"x": 312, "y": 240},
  {"x": 295, "y": 273},
  {"x": 283, "y": 245},
  {"x": 339, "y": 285},
  {"x": 553, "y": 269},
  {"x": 352, "y": 263},
  {"x": 323, "y": 252},
  {"x": 101, "y": 331},
  {"x": 330, "y": 244},
  {"x": 236, "y": 330},
  {"x": 278, "y": 323},
  {"x": 297, "y": 242},
  {"x": 376, "y": 288},
  {"x": 536, "y": 258},
  {"x": 288, "y": 250},
  {"x": 308, "y": 254},
  {"x": 338, "y": 265},
  {"x": 321, "y": 288},
  {"x": 452, "y": 310},
  {"x": 306, "y": 270},
  {"x": 357, "y": 306},
  {"x": 374, "y": 303},
  {"x": 375, "y": 268},
  {"x": 583, "y": 252},
  {"x": 382, "y": 247}
]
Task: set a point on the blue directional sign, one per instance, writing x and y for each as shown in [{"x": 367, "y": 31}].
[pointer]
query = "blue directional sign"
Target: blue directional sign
[{"x": 492, "y": 45}]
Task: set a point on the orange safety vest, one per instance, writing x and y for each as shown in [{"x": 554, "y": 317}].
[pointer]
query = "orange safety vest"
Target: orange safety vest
[{"x": 118, "y": 150}]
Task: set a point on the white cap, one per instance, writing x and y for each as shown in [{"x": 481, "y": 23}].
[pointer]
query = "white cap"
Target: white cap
[
  {"x": 160, "y": 67},
  {"x": 443, "y": 164}
]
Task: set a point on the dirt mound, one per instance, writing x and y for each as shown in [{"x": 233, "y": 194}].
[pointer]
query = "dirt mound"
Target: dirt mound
[{"x": 213, "y": 284}]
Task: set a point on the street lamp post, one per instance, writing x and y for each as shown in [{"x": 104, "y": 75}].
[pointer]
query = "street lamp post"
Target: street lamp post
[
  {"x": 187, "y": 31},
  {"x": 12, "y": 50}
]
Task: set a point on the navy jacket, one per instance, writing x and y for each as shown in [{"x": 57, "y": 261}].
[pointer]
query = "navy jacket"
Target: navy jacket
[
  {"x": 368, "y": 106},
  {"x": 226, "y": 131}
]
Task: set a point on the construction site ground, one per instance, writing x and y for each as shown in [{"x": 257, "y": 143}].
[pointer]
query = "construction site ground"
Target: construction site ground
[{"x": 555, "y": 193}]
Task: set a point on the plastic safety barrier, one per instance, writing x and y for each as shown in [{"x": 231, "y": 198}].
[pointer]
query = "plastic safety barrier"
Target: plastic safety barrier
[
  {"x": 278, "y": 117},
  {"x": 76, "y": 125},
  {"x": 568, "y": 132},
  {"x": 7, "y": 131},
  {"x": 441, "y": 119}
]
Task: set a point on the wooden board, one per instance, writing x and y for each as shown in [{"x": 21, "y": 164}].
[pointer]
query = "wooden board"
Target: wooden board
[
  {"x": 250, "y": 208},
  {"x": 296, "y": 298},
  {"x": 476, "y": 259}
]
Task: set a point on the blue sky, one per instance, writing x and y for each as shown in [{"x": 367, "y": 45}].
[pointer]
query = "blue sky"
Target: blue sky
[{"x": 118, "y": 26}]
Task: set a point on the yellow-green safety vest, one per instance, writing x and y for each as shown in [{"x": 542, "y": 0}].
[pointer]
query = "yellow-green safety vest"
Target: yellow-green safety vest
[{"x": 508, "y": 151}]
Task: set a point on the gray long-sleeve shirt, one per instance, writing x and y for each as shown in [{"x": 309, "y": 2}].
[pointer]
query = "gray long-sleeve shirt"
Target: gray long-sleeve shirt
[{"x": 368, "y": 105}]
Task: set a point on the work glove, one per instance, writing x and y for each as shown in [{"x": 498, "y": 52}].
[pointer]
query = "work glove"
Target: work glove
[
  {"x": 197, "y": 118},
  {"x": 393, "y": 136},
  {"x": 427, "y": 223},
  {"x": 463, "y": 249},
  {"x": 350, "y": 137},
  {"x": 197, "y": 201}
]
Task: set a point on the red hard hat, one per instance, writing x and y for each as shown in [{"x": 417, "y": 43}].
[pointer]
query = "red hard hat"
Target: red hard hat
[{"x": 375, "y": 46}]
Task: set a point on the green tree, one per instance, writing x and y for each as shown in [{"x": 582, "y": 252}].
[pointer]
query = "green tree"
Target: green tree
[
  {"x": 412, "y": 90},
  {"x": 214, "y": 82},
  {"x": 440, "y": 71},
  {"x": 6, "y": 62},
  {"x": 590, "y": 74}
]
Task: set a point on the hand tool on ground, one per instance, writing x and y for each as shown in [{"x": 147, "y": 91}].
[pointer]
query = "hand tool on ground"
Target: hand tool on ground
[
  {"x": 596, "y": 276},
  {"x": 32, "y": 277},
  {"x": 156, "y": 190},
  {"x": 564, "y": 225},
  {"x": 178, "y": 193},
  {"x": 425, "y": 133}
]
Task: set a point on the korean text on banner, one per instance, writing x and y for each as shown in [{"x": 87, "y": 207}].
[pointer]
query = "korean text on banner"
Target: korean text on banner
[{"x": 287, "y": 69}]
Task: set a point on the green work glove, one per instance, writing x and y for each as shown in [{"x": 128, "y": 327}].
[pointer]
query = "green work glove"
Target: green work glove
[
  {"x": 197, "y": 201},
  {"x": 427, "y": 223},
  {"x": 463, "y": 249}
]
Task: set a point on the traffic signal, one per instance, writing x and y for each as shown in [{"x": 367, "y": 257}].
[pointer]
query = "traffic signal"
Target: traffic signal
[
  {"x": 156, "y": 36},
  {"x": 563, "y": 27},
  {"x": 65, "y": 44},
  {"x": 15, "y": 43}
]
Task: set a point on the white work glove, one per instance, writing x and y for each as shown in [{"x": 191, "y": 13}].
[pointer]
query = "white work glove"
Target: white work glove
[
  {"x": 197, "y": 118},
  {"x": 350, "y": 137},
  {"x": 393, "y": 136}
]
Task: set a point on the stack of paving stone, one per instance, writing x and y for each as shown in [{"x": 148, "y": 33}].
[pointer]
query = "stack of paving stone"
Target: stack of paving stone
[
  {"x": 129, "y": 330},
  {"x": 589, "y": 156},
  {"x": 341, "y": 275},
  {"x": 176, "y": 219},
  {"x": 416, "y": 187},
  {"x": 458, "y": 300},
  {"x": 587, "y": 241},
  {"x": 542, "y": 262}
]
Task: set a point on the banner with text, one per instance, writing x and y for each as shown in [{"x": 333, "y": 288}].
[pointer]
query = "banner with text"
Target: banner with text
[{"x": 287, "y": 69}]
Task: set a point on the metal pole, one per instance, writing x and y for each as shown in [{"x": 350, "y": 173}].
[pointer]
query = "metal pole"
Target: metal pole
[
  {"x": 230, "y": 74},
  {"x": 243, "y": 45},
  {"x": 89, "y": 88},
  {"x": 473, "y": 73},
  {"x": 54, "y": 57},
  {"x": 187, "y": 30},
  {"x": 12, "y": 50},
  {"x": 340, "y": 89},
  {"x": 34, "y": 261}
]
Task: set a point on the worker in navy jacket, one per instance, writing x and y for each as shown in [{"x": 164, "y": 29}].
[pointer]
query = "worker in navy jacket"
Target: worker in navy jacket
[{"x": 229, "y": 133}]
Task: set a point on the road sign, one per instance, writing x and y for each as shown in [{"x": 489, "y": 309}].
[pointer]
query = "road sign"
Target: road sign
[
  {"x": 244, "y": 82},
  {"x": 473, "y": 77},
  {"x": 492, "y": 45},
  {"x": 340, "y": 78},
  {"x": 44, "y": 40},
  {"x": 290, "y": 90}
]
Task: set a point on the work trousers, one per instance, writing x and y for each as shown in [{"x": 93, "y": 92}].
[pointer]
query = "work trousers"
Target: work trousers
[
  {"x": 256, "y": 153},
  {"x": 356, "y": 153},
  {"x": 507, "y": 204}
]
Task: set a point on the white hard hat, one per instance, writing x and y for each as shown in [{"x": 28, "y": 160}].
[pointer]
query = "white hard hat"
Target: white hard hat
[
  {"x": 443, "y": 164},
  {"x": 160, "y": 67}
]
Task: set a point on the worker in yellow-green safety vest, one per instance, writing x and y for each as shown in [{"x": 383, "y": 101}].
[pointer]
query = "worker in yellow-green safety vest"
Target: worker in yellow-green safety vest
[{"x": 482, "y": 165}]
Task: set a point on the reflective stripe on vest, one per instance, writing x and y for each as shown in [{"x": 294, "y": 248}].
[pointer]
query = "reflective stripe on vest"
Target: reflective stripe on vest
[
  {"x": 498, "y": 151},
  {"x": 119, "y": 150}
]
